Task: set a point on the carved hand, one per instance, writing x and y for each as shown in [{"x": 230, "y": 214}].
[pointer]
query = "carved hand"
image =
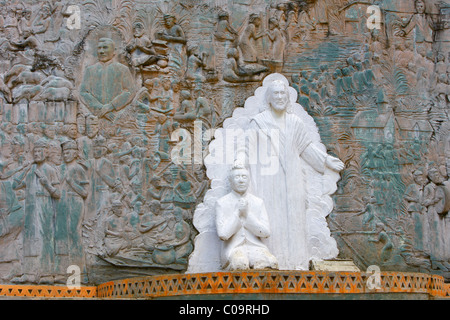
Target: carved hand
[
  {"x": 44, "y": 181},
  {"x": 243, "y": 208},
  {"x": 104, "y": 110},
  {"x": 334, "y": 164}
]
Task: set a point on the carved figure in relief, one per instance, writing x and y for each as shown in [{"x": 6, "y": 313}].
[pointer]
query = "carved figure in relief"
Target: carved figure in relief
[
  {"x": 278, "y": 42},
  {"x": 434, "y": 200},
  {"x": 107, "y": 86},
  {"x": 202, "y": 106},
  {"x": 116, "y": 230},
  {"x": 422, "y": 23},
  {"x": 183, "y": 192},
  {"x": 155, "y": 232},
  {"x": 142, "y": 51},
  {"x": 415, "y": 205},
  {"x": 42, "y": 186},
  {"x": 233, "y": 72},
  {"x": 176, "y": 40},
  {"x": 249, "y": 36},
  {"x": 195, "y": 64},
  {"x": 187, "y": 111},
  {"x": 42, "y": 21},
  {"x": 103, "y": 176},
  {"x": 242, "y": 221},
  {"x": 11, "y": 212},
  {"x": 224, "y": 30},
  {"x": 70, "y": 213}
]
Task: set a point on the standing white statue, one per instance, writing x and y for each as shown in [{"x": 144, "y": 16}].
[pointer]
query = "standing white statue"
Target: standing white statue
[
  {"x": 242, "y": 221},
  {"x": 285, "y": 187},
  {"x": 289, "y": 169}
]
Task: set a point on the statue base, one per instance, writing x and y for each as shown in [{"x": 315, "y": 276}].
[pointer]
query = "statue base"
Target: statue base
[
  {"x": 279, "y": 285},
  {"x": 263, "y": 285},
  {"x": 334, "y": 265}
]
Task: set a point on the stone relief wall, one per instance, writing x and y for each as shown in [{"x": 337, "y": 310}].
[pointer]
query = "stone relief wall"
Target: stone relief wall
[{"x": 105, "y": 106}]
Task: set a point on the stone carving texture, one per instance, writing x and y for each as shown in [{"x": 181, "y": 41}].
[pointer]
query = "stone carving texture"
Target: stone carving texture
[{"x": 104, "y": 124}]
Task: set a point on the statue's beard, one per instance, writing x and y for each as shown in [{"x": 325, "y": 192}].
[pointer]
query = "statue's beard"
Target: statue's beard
[{"x": 279, "y": 106}]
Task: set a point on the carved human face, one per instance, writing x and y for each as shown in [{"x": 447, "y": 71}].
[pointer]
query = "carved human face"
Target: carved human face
[
  {"x": 278, "y": 97},
  {"x": 166, "y": 84},
  {"x": 50, "y": 131},
  {"x": 136, "y": 187},
  {"x": 272, "y": 25},
  {"x": 81, "y": 124},
  {"x": 46, "y": 12},
  {"x": 239, "y": 180},
  {"x": 155, "y": 207},
  {"x": 99, "y": 151},
  {"x": 72, "y": 131},
  {"x": 6, "y": 150},
  {"x": 39, "y": 154},
  {"x": 91, "y": 127},
  {"x": 69, "y": 155},
  {"x": 169, "y": 22},
  {"x": 434, "y": 176},
  {"x": 168, "y": 177},
  {"x": 138, "y": 31},
  {"x": 420, "y": 7},
  {"x": 117, "y": 209},
  {"x": 105, "y": 51}
]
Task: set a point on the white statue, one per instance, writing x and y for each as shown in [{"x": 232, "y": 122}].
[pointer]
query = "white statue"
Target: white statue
[
  {"x": 241, "y": 221},
  {"x": 289, "y": 169}
]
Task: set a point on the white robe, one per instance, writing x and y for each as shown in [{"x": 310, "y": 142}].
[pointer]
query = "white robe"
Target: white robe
[
  {"x": 245, "y": 234},
  {"x": 285, "y": 191}
]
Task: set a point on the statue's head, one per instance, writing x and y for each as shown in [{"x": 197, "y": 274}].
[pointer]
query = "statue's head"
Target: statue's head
[
  {"x": 39, "y": 150},
  {"x": 239, "y": 177},
  {"x": 70, "y": 150},
  {"x": 105, "y": 49},
  {"x": 255, "y": 19},
  {"x": 99, "y": 147},
  {"x": 273, "y": 23},
  {"x": 116, "y": 207},
  {"x": 418, "y": 177},
  {"x": 155, "y": 207},
  {"x": 138, "y": 28},
  {"x": 420, "y": 6},
  {"x": 169, "y": 20},
  {"x": 434, "y": 174},
  {"x": 6, "y": 147},
  {"x": 277, "y": 96},
  {"x": 91, "y": 126}
]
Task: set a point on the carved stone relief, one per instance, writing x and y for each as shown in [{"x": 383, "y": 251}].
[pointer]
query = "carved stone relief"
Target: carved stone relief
[{"x": 108, "y": 108}]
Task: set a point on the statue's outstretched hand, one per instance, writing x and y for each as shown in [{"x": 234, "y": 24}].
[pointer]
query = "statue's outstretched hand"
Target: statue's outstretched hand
[{"x": 334, "y": 164}]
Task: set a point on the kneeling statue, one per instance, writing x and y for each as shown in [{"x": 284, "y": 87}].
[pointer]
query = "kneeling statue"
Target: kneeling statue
[{"x": 242, "y": 221}]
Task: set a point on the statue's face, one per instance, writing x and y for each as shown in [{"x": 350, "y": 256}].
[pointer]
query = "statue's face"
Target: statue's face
[
  {"x": 73, "y": 131},
  {"x": 6, "y": 150},
  {"x": 99, "y": 152},
  {"x": 138, "y": 31},
  {"x": 418, "y": 178},
  {"x": 434, "y": 176},
  {"x": 105, "y": 51},
  {"x": 39, "y": 154},
  {"x": 278, "y": 97},
  {"x": 169, "y": 22},
  {"x": 91, "y": 128},
  {"x": 50, "y": 131},
  {"x": 240, "y": 180},
  {"x": 420, "y": 7},
  {"x": 117, "y": 209},
  {"x": 69, "y": 155}
]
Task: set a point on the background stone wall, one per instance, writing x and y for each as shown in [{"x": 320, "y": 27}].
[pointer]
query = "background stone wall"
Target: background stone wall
[{"x": 122, "y": 204}]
